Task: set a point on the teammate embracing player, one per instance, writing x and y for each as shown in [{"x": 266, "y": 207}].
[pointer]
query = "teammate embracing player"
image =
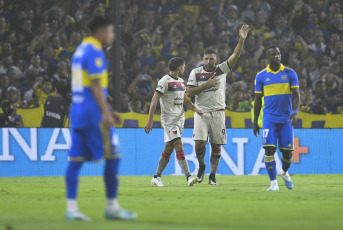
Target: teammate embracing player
[
  {"x": 208, "y": 85},
  {"x": 171, "y": 93}
]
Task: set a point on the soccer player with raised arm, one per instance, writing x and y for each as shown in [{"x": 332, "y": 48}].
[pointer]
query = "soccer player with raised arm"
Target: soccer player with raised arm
[
  {"x": 280, "y": 88},
  {"x": 92, "y": 132},
  {"x": 171, "y": 94},
  {"x": 208, "y": 85}
]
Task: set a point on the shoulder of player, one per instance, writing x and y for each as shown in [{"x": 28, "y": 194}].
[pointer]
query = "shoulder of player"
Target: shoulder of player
[
  {"x": 198, "y": 69},
  {"x": 261, "y": 72},
  {"x": 288, "y": 69}
]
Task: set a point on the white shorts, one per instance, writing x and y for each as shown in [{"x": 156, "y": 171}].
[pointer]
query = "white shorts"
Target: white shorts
[
  {"x": 213, "y": 125},
  {"x": 173, "y": 128}
]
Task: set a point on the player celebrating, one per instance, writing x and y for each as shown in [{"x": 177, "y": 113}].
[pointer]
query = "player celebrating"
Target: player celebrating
[
  {"x": 280, "y": 88},
  {"x": 171, "y": 93},
  {"x": 92, "y": 132},
  {"x": 208, "y": 84}
]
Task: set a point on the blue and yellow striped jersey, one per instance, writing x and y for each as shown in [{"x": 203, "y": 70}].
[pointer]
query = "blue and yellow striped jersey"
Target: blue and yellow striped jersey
[
  {"x": 277, "y": 90},
  {"x": 88, "y": 63}
]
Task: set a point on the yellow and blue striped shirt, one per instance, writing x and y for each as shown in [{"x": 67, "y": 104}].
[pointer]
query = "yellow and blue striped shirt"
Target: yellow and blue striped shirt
[
  {"x": 277, "y": 90},
  {"x": 88, "y": 63}
]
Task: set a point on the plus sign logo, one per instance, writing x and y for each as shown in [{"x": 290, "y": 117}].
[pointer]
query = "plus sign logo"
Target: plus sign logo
[{"x": 298, "y": 150}]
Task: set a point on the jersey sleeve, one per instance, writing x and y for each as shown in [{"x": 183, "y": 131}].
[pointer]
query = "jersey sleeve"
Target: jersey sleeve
[
  {"x": 192, "y": 81},
  {"x": 162, "y": 86},
  {"x": 294, "y": 80},
  {"x": 95, "y": 64},
  {"x": 258, "y": 84},
  {"x": 225, "y": 67}
]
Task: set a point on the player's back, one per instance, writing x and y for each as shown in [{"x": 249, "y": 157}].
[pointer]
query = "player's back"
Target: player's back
[
  {"x": 173, "y": 91},
  {"x": 88, "y": 63}
]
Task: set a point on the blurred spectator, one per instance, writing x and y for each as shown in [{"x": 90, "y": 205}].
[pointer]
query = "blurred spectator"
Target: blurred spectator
[{"x": 43, "y": 90}]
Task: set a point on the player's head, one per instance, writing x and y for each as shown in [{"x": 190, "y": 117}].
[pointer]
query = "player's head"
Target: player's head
[
  {"x": 209, "y": 58},
  {"x": 273, "y": 55},
  {"x": 177, "y": 64},
  {"x": 102, "y": 29}
]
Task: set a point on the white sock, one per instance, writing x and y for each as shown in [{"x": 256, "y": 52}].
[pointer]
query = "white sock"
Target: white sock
[
  {"x": 274, "y": 183},
  {"x": 283, "y": 172},
  {"x": 72, "y": 205},
  {"x": 112, "y": 205}
]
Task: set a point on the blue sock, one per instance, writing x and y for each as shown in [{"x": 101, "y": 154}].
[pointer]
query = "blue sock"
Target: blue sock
[
  {"x": 271, "y": 166},
  {"x": 111, "y": 178},
  {"x": 286, "y": 163},
  {"x": 72, "y": 179}
]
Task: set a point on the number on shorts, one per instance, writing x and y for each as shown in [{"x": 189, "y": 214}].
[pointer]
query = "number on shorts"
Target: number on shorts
[{"x": 265, "y": 133}]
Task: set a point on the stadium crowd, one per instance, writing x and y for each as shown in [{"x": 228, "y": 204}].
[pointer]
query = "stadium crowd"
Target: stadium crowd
[{"x": 38, "y": 38}]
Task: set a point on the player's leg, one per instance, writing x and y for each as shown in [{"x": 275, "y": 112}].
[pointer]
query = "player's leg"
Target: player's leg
[
  {"x": 76, "y": 159},
  {"x": 218, "y": 137},
  {"x": 286, "y": 146},
  {"x": 200, "y": 136},
  {"x": 214, "y": 163},
  {"x": 269, "y": 134},
  {"x": 181, "y": 159},
  {"x": 111, "y": 154},
  {"x": 162, "y": 164}
]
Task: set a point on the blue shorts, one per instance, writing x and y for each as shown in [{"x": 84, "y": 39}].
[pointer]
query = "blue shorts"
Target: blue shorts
[
  {"x": 93, "y": 143},
  {"x": 277, "y": 132}
]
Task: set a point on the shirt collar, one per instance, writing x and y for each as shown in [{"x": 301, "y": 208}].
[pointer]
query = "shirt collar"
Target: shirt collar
[
  {"x": 93, "y": 41},
  {"x": 282, "y": 67}
]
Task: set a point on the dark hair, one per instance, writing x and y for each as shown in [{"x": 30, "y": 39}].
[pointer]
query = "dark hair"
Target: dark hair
[
  {"x": 319, "y": 82},
  {"x": 208, "y": 51},
  {"x": 98, "y": 22},
  {"x": 272, "y": 47},
  {"x": 175, "y": 63}
]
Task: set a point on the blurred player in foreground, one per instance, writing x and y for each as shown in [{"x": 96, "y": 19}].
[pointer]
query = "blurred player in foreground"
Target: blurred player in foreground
[
  {"x": 171, "y": 93},
  {"x": 208, "y": 85},
  {"x": 280, "y": 88},
  {"x": 92, "y": 132}
]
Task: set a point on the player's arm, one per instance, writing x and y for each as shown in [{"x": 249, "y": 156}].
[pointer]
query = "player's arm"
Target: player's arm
[
  {"x": 295, "y": 105},
  {"x": 295, "y": 97},
  {"x": 243, "y": 33},
  {"x": 99, "y": 96},
  {"x": 153, "y": 104},
  {"x": 194, "y": 90},
  {"x": 191, "y": 106},
  {"x": 257, "y": 103},
  {"x": 257, "y": 110}
]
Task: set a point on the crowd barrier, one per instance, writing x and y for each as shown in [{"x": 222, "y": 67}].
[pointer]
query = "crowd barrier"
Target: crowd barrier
[
  {"x": 43, "y": 152},
  {"x": 32, "y": 118}
]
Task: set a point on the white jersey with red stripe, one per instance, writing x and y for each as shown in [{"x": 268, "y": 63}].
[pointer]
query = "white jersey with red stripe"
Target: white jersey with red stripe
[
  {"x": 173, "y": 92},
  {"x": 211, "y": 99}
]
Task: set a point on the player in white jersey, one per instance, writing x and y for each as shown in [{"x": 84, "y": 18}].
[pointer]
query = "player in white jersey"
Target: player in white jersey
[
  {"x": 208, "y": 84},
  {"x": 171, "y": 94}
]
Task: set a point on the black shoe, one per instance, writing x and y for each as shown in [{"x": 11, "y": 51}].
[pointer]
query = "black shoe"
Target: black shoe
[
  {"x": 201, "y": 173},
  {"x": 212, "y": 180}
]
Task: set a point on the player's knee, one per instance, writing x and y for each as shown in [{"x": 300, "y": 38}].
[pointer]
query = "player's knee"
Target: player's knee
[
  {"x": 178, "y": 145},
  {"x": 200, "y": 146},
  {"x": 269, "y": 151},
  {"x": 287, "y": 155},
  {"x": 169, "y": 148}
]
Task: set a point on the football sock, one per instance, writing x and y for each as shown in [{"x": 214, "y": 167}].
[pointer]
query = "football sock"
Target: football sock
[
  {"x": 271, "y": 166},
  {"x": 111, "y": 178},
  {"x": 72, "y": 205},
  {"x": 72, "y": 179},
  {"x": 162, "y": 164},
  {"x": 215, "y": 159},
  {"x": 112, "y": 205},
  {"x": 286, "y": 163},
  {"x": 181, "y": 159},
  {"x": 201, "y": 156}
]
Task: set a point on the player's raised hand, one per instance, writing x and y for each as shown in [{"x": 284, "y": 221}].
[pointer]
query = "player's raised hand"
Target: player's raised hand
[
  {"x": 200, "y": 113},
  {"x": 148, "y": 127},
  {"x": 212, "y": 82},
  {"x": 256, "y": 129},
  {"x": 293, "y": 119},
  {"x": 243, "y": 32}
]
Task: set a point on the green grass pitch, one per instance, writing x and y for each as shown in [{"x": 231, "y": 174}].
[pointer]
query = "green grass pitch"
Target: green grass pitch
[{"x": 239, "y": 202}]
